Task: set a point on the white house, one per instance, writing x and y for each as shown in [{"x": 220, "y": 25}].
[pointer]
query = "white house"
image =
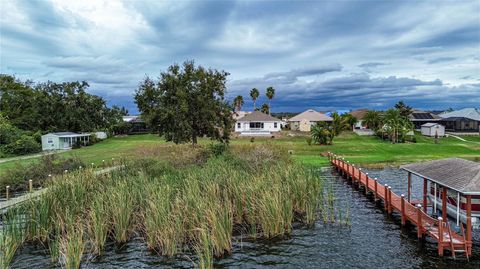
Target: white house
[
  {"x": 257, "y": 124},
  {"x": 63, "y": 140},
  {"x": 304, "y": 121},
  {"x": 433, "y": 129}
]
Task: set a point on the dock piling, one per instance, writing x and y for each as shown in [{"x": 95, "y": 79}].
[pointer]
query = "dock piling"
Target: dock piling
[
  {"x": 30, "y": 186},
  {"x": 402, "y": 201}
]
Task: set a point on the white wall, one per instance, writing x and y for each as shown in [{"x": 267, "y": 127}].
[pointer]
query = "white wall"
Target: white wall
[
  {"x": 54, "y": 145},
  {"x": 267, "y": 126},
  {"x": 430, "y": 131}
]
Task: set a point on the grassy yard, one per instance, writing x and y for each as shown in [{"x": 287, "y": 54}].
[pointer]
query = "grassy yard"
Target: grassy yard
[{"x": 363, "y": 150}]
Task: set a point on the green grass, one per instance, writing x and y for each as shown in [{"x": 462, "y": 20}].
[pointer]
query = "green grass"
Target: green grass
[{"x": 364, "y": 150}]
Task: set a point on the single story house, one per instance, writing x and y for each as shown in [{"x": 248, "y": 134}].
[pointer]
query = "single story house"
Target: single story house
[
  {"x": 137, "y": 125},
  {"x": 63, "y": 140},
  {"x": 433, "y": 129},
  {"x": 304, "y": 121},
  {"x": 239, "y": 114},
  {"x": 463, "y": 120},
  {"x": 419, "y": 118},
  {"x": 359, "y": 114},
  {"x": 257, "y": 124}
]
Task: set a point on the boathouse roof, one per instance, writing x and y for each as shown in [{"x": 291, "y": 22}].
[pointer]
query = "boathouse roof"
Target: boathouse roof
[{"x": 454, "y": 173}]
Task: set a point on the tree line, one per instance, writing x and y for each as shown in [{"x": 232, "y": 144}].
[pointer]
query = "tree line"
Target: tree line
[
  {"x": 254, "y": 94},
  {"x": 27, "y": 108}
]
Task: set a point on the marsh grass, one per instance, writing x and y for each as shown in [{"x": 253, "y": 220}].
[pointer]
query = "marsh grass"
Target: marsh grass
[{"x": 180, "y": 204}]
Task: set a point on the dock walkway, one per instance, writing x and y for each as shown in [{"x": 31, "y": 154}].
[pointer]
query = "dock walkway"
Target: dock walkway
[{"x": 438, "y": 229}]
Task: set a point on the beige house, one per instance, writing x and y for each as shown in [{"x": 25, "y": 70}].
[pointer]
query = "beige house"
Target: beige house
[{"x": 304, "y": 121}]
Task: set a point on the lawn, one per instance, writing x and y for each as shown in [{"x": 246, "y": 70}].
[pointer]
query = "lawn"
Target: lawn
[{"x": 362, "y": 150}]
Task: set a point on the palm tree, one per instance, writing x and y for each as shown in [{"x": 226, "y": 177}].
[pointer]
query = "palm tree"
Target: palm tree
[
  {"x": 339, "y": 124},
  {"x": 265, "y": 108},
  {"x": 373, "y": 120},
  {"x": 349, "y": 119},
  {"x": 238, "y": 103},
  {"x": 322, "y": 133},
  {"x": 270, "y": 94},
  {"x": 254, "y": 93},
  {"x": 395, "y": 122}
]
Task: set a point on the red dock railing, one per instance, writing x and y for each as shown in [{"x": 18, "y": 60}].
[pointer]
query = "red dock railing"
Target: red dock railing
[{"x": 426, "y": 225}]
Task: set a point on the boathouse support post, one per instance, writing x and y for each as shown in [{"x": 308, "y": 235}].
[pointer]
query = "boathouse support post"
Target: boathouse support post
[
  {"x": 435, "y": 198},
  {"x": 409, "y": 187},
  {"x": 419, "y": 221},
  {"x": 440, "y": 236},
  {"x": 403, "y": 209},
  {"x": 385, "y": 202},
  {"x": 375, "y": 189},
  {"x": 444, "y": 203},
  {"x": 425, "y": 184},
  {"x": 458, "y": 208},
  {"x": 389, "y": 200},
  {"x": 469, "y": 225}
]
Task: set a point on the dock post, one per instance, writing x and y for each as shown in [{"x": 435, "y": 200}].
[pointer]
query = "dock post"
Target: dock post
[
  {"x": 30, "y": 185},
  {"x": 440, "y": 236},
  {"x": 8, "y": 192},
  {"x": 359, "y": 174},
  {"x": 469, "y": 225},
  {"x": 389, "y": 200},
  {"x": 366, "y": 183},
  {"x": 419, "y": 221},
  {"x": 403, "y": 209},
  {"x": 376, "y": 189},
  {"x": 385, "y": 201},
  {"x": 425, "y": 193}
]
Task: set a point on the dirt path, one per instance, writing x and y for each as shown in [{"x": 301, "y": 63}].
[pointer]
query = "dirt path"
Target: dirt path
[{"x": 4, "y": 160}]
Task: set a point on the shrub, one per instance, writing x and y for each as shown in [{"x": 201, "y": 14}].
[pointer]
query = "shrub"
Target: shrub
[
  {"x": 24, "y": 145},
  {"x": 309, "y": 140},
  {"x": 252, "y": 139},
  {"x": 17, "y": 177},
  {"x": 217, "y": 149}
]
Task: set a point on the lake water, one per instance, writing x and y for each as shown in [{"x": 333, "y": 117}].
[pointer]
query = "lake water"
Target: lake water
[{"x": 372, "y": 241}]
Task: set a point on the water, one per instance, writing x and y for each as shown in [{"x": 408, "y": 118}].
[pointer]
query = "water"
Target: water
[{"x": 372, "y": 241}]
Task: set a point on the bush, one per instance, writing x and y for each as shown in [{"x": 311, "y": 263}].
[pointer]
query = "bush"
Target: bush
[
  {"x": 217, "y": 149},
  {"x": 17, "y": 177},
  {"x": 24, "y": 145},
  {"x": 414, "y": 139},
  {"x": 252, "y": 139},
  {"x": 309, "y": 140}
]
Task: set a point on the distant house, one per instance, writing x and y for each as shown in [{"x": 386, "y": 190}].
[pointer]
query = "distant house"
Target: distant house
[
  {"x": 304, "y": 121},
  {"x": 419, "y": 118},
  {"x": 137, "y": 125},
  {"x": 463, "y": 120},
  {"x": 340, "y": 112},
  {"x": 433, "y": 129},
  {"x": 63, "y": 140},
  {"x": 359, "y": 114},
  {"x": 257, "y": 124}
]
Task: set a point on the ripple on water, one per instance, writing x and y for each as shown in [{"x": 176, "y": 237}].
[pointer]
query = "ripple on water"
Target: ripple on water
[{"x": 373, "y": 241}]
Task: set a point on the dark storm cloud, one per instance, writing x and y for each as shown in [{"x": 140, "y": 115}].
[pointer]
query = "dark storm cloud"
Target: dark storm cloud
[{"x": 381, "y": 51}]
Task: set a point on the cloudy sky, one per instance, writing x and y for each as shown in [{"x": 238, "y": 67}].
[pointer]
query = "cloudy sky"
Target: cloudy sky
[{"x": 316, "y": 54}]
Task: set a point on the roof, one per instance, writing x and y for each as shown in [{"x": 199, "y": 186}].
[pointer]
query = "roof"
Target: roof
[
  {"x": 258, "y": 116},
  {"x": 456, "y": 119},
  {"x": 67, "y": 134},
  {"x": 454, "y": 173},
  {"x": 422, "y": 116},
  {"x": 430, "y": 124},
  {"x": 470, "y": 113},
  {"x": 359, "y": 114},
  {"x": 132, "y": 119},
  {"x": 311, "y": 115},
  {"x": 239, "y": 114}
]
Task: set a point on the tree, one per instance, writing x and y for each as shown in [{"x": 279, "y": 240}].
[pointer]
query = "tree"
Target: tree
[
  {"x": 238, "y": 103},
  {"x": 339, "y": 124},
  {"x": 265, "y": 109},
  {"x": 186, "y": 103},
  {"x": 254, "y": 93},
  {"x": 373, "y": 120},
  {"x": 322, "y": 133},
  {"x": 270, "y": 94},
  {"x": 405, "y": 110},
  {"x": 349, "y": 119}
]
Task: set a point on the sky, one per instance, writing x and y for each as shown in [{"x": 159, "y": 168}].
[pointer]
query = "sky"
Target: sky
[{"x": 326, "y": 55}]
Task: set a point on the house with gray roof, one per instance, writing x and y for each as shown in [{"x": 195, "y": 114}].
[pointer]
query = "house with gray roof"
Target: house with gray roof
[
  {"x": 63, "y": 140},
  {"x": 463, "y": 120},
  {"x": 304, "y": 121},
  {"x": 257, "y": 124}
]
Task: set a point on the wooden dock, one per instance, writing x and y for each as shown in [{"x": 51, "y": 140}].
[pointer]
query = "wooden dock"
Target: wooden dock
[
  {"x": 5, "y": 205},
  {"x": 438, "y": 229}
]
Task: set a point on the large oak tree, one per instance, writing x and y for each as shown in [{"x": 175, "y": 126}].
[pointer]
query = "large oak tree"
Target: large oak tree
[{"x": 186, "y": 102}]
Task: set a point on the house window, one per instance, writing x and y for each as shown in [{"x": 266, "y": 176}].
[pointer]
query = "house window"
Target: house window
[
  {"x": 50, "y": 140},
  {"x": 256, "y": 125},
  {"x": 274, "y": 125},
  {"x": 239, "y": 125}
]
